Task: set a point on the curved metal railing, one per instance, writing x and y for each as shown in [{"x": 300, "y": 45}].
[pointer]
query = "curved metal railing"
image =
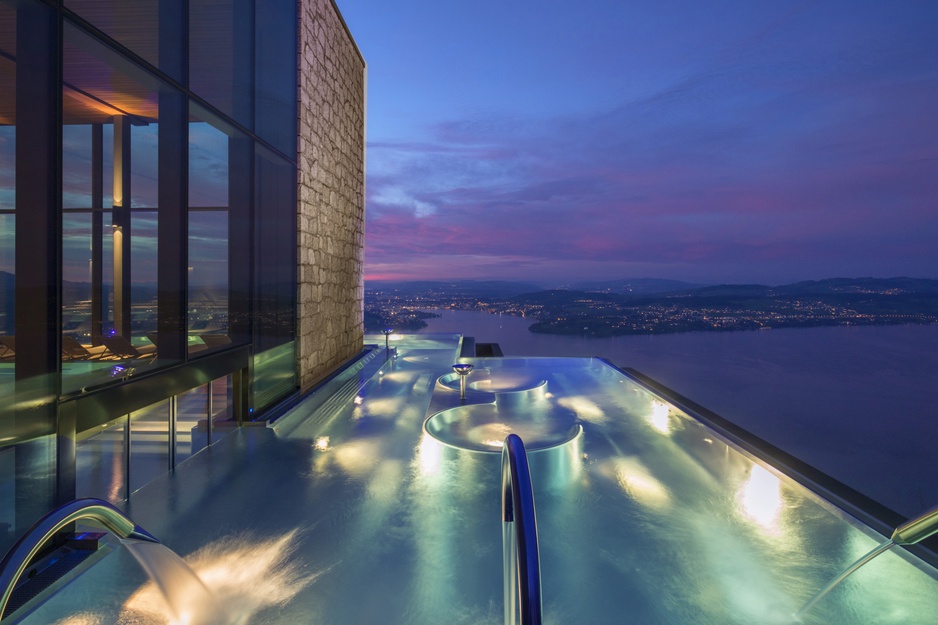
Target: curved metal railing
[
  {"x": 521, "y": 562},
  {"x": 18, "y": 557}
]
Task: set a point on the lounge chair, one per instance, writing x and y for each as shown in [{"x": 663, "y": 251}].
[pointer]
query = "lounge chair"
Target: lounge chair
[
  {"x": 215, "y": 340},
  {"x": 73, "y": 350},
  {"x": 122, "y": 348},
  {"x": 7, "y": 347}
]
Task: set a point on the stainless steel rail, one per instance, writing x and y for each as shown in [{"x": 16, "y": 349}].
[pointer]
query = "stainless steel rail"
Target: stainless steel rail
[
  {"x": 521, "y": 562},
  {"x": 18, "y": 557}
]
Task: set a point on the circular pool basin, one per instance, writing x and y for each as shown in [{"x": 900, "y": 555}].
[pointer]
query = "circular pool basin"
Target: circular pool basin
[{"x": 483, "y": 427}]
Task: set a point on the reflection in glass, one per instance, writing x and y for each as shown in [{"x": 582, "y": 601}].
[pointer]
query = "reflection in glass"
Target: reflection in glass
[
  {"x": 76, "y": 275},
  {"x": 122, "y": 21},
  {"x": 7, "y": 496},
  {"x": 7, "y": 156},
  {"x": 149, "y": 443},
  {"x": 275, "y": 81},
  {"x": 209, "y": 184},
  {"x": 7, "y": 231},
  {"x": 208, "y": 273},
  {"x": 7, "y": 258},
  {"x": 208, "y": 163},
  {"x": 110, "y": 173},
  {"x": 222, "y": 407},
  {"x": 274, "y": 374},
  {"x": 101, "y": 461},
  {"x": 145, "y": 264},
  {"x": 144, "y": 146},
  {"x": 221, "y": 55},
  {"x": 275, "y": 266},
  {"x": 191, "y": 422}
]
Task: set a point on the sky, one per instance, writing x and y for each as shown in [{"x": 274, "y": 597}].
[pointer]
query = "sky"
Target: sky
[{"x": 719, "y": 141}]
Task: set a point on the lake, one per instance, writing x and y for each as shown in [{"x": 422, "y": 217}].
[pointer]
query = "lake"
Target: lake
[{"x": 858, "y": 403}]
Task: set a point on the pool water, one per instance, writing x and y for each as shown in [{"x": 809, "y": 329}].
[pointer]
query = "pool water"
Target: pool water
[{"x": 349, "y": 511}]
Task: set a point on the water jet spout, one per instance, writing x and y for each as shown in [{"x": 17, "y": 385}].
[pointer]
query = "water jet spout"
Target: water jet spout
[
  {"x": 16, "y": 560},
  {"x": 912, "y": 531}
]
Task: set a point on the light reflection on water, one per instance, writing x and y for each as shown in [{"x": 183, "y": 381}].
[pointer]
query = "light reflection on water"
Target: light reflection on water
[{"x": 761, "y": 497}]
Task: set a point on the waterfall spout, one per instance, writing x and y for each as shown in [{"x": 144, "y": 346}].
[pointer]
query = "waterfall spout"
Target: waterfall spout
[
  {"x": 16, "y": 560},
  {"x": 909, "y": 533}
]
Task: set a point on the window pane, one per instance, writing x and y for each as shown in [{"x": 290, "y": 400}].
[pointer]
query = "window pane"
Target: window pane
[
  {"x": 76, "y": 275},
  {"x": 144, "y": 147},
  {"x": 7, "y": 259},
  {"x": 275, "y": 258},
  {"x": 7, "y": 497},
  {"x": 275, "y": 76},
  {"x": 132, "y": 24},
  {"x": 76, "y": 166},
  {"x": 221, "y": 55},
  {"x": 101, "y": 461},
  {"x": 149, "y": 444},
  {"x": 7, "y": 152},
  {"x": 275, "y": 277},
  {"x": 214, "y": 177},
  {"x": 208, "y": 279},
  {"x": 191, "y": 422},
  {"x": 110, "y": 191},
  {"x": 7, "y": 231},
  {"x": 145, "y": 265}
]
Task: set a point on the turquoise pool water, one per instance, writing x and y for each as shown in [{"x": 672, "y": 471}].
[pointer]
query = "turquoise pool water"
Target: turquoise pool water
[{"x": 347, "y": 511}]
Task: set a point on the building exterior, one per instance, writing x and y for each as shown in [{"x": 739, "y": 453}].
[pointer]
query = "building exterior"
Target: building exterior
[{"x": 181, "y": 231}]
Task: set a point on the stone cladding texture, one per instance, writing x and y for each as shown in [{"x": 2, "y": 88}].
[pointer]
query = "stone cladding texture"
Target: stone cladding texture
[{"x": 331, "y": 192}]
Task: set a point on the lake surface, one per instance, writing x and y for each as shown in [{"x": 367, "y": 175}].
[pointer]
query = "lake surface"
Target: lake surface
[{"x": 858, "y": 403}]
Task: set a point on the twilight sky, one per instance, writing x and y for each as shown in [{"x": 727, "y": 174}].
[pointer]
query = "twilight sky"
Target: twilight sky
[{"x": 721, "y": 141}]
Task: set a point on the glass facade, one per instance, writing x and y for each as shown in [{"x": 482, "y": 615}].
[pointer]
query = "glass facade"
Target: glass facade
[{"x": 147, "y": 237}]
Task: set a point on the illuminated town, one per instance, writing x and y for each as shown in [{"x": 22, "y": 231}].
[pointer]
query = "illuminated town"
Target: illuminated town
[{"x": 721, "y": 308}]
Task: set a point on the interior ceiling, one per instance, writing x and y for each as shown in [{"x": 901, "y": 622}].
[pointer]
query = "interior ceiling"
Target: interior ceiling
[
  {"x": 99, "y": 84},
  {"x": 7, "y": 69}
]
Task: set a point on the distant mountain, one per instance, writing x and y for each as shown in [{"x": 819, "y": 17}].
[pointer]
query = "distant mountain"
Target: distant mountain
[
  {"x": 634, "y": 286},
  {"x": 498, "y": 289},
  {"x": 727, "y": 307},
  {"x": 723, "y": 290},
  {"x": 893, "y": 286},
  {"x": 564, "y": 297}
]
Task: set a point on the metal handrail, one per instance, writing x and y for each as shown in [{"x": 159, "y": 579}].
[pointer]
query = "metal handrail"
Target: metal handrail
[
  {"x": 17, "y": 559},
  {"x": 521, "y": 561}
]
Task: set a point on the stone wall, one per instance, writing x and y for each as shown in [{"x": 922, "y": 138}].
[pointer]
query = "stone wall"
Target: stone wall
[{"x": 331, "y": 192}]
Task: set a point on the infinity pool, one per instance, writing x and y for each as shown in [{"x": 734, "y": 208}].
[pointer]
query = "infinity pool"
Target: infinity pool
[{"x": 379, "y": 502}]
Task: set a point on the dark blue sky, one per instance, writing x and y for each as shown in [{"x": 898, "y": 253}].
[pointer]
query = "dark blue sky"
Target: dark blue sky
[{"x": 707, "y": 141}]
